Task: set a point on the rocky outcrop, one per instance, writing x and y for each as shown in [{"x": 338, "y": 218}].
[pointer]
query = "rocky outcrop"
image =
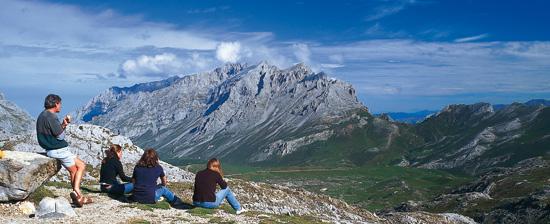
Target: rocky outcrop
[
  {"x": 89, "y": 143},
  {"x": 13, "y": 120},
  {"x": 22, "y": 172},
  {"x": 476, "y": 138},
  {"x": 520, "y": 194},
  {"x": 233, "y": 112},
  {"x": 425, "y": 217}
]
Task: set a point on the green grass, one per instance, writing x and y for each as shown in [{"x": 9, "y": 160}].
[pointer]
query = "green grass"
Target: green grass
[
  {"x": 219, "y": 220},
  {"x": 372, "y": 188},
  {"x": 205, "y": 212},
  {"x": 40, "y": 193},
  {"x": 137, "y": 221},
  {"x": 272, "y": 218},
  {"x": 59, "y": 184},
  {"x": 149, "y": 207}
]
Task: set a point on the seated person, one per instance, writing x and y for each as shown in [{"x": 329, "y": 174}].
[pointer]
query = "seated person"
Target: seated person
[
  {"x": 111, "y": 167},
  {"x": 146, "y": 174},
  {"x": 205, "y": 188}
]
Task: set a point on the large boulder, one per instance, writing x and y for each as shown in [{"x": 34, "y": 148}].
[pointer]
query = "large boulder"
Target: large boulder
[{"x": 22, "y": 172}]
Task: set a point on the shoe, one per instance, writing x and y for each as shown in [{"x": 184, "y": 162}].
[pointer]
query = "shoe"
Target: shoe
[
  {"x": 241, "y": 211},
  {"x": 177, "y": 201},
  {"x": 87, "y": 200},
  {"x": 78, "y": 203}
]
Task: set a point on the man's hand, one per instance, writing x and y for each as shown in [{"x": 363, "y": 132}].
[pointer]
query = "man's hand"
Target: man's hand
[{"x": 66, "y": 121}]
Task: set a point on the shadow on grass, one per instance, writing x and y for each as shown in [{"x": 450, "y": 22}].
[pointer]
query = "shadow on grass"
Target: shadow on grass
[
  {"x": 128, "y": 199},
  {"x": 90, "y": 190}
]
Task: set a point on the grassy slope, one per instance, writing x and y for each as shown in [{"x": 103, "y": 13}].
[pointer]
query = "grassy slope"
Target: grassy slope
[{"x": 370, "y": 187}]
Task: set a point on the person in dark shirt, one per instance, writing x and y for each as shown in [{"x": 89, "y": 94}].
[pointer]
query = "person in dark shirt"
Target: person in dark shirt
[
  {"x": 50, "y": 133},
  {"x": 146, "y": 174},
  {"x": 205, "y": 195},
  {"x": 111, "y": 167}
]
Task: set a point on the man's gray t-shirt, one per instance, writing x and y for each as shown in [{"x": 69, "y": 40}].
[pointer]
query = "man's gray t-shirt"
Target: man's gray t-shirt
[{"x": 49, "y": 131}]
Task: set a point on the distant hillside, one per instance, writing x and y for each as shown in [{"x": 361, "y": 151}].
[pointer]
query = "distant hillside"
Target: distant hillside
[
  {"x": 534, "y": 102},
  {"x": 410, "y": 118}
]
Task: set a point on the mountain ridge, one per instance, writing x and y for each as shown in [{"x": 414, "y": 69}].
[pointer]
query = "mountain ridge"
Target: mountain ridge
[{"x": 207, "y": 107}]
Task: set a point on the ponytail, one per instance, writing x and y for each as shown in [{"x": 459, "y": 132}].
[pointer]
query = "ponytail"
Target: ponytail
[{"x": 112, "y": 152}]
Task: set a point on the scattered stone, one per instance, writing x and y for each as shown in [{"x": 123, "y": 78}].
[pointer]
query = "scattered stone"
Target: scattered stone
[
  {"x": 27, "y": 208},
  {"x": 54, "y": 208}
]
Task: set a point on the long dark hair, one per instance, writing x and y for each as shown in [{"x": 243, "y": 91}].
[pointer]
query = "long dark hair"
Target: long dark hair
[
  {"x": 112, "y": 152},
  {"x": 149, "y": 158},
  {"x": 215, "y": 165}
]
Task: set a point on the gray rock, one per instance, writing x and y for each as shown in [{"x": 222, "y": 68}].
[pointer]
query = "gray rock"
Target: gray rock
[
  {"x": 22, "y": 172},
  {"x": 227, "y": 111},
  {"x": 89, "y": 142},
  {"x": 46, "y": 205},
  {"x": 13, "y": 120},
  {"x": 54, "y": 208}
]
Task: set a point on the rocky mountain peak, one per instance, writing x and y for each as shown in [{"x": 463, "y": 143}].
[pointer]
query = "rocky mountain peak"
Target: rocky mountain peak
[
  {"x": 214, "y": 113},
  {"x": 13, "y": 120}
]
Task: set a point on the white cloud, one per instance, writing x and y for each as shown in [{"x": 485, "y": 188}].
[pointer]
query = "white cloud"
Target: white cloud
[
  {"x": 164, "y": 65},
  {"x": 157, "y": 65},
  {"x": 387, "y": 10},
  {"x": 228, "y": 52},
  {"x": 302, "y": 53},
  {"x": 207, "y": 10},
  {"x": 422, "y": 69},
  {"x": 337, "y": 58},
  {"x": 37, "y": 45},
  {"x": 332, "y": 65},
  {"x": 58, "y": 26},
  {"x": 472, "y": 38}
]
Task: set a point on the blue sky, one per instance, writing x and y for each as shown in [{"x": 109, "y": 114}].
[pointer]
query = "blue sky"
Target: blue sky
[{"x": 403, "y": 55}]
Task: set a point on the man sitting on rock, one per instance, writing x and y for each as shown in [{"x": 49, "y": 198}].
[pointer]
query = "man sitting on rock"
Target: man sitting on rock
[{"x": 51, "y": 136}]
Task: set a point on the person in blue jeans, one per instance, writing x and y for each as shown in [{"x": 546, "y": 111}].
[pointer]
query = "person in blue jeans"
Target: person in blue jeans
[
  {"x": 205, "y": 195},
  {"x": 146, "y": 173},
  {"x": 111, "y": 167}
]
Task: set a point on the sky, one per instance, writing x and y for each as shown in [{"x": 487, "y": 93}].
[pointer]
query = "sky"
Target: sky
[{"x": 400, "y": 56}]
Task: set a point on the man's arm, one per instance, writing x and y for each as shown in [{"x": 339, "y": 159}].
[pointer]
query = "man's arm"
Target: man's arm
[{"x": 56, "y": 127}]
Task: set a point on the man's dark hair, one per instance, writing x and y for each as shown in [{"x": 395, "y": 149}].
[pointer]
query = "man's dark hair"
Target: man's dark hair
[{"x": 51, "y": 100}]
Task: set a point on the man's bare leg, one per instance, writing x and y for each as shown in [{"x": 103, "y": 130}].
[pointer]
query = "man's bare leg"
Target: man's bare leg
[
  {"x": 76, "y": 173},
  {"x": 72, "y": 173}
]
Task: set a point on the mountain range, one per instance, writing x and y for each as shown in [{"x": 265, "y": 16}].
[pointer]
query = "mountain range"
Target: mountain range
[
  {"x": 263, "y": 115},
  {"x": 266, "y": 202},
  {"x": 236, "y": 112}
]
